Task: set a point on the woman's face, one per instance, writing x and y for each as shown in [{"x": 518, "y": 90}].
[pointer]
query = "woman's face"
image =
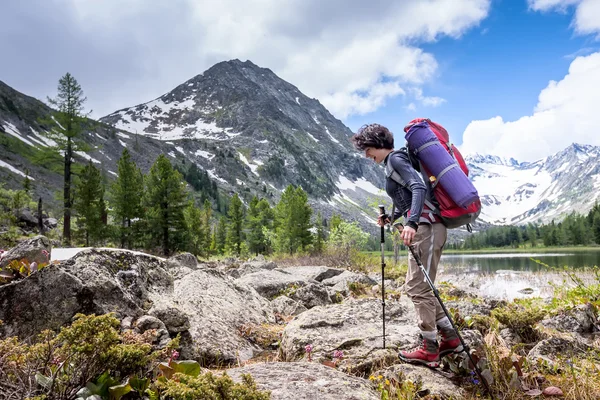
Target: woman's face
[{"x": 377, "y": 155}]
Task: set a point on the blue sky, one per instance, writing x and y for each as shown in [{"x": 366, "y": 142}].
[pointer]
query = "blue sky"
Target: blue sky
[{"x": 496, "y": 69}]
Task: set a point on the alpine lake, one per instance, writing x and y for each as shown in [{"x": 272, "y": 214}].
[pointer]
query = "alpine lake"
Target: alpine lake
[{"x": 520, "y": 273}]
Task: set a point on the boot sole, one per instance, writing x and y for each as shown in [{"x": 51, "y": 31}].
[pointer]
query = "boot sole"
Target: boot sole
[
  {"x": 456, "y": 350},
  {"x": 430, "y": 364}
]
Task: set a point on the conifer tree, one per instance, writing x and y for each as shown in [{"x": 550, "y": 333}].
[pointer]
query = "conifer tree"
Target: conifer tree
[
  {"x": 221, "y": 235},
  {"x": 196, "y": 230},
  {"x": 292, "y": 221},
  {"x": 319, "y": 241},
  {"x": 89, "y": 204},
  {"x": 66, "y": 130},
  {"x": 206, "y": 218},
  {"x": 234, "y": 226},
  {"x": 126, "y": 199},
  {"x": 165, "y": 201},
  {"x": 255, "y": 236}
]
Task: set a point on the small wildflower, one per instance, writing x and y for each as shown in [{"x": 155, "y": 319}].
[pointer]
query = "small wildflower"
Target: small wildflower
[
  {"x": 33, "y": 266},
  {"x": 379, "y": 377},
  {"x": 372, "y": 378},
  {"x": 338, "y": 354},
  {"x": 476, "y": 381},
  {"x": 387, "y": 382},
  {"x": 309, "y": 348},
  {"x": 175, "y": 355}
]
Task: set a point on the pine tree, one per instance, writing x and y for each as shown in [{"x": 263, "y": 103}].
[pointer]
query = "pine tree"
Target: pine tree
[
  {"x": 67, "y": 122},
  {"x": 292, "y": 221},
  {"x": 165, "y": 201},
  {"x": 221, "y": 236},
  {"x": 302, "y": 217},
  {"x": 266, "y": 216},
  {"x": 196, "y": 229},
  {"x": 126, "y": 200},
  {"x": 255, "y": 235},
  {"x": 320, "y": 235},
  {"x": 336, "y": 220},
  {"x": 206, "y": 218},
  {"x": 234, "y": 227},
  {"x": 89, "y": 204}
]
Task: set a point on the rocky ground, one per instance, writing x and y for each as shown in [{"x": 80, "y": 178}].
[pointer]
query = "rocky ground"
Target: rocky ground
[{"x": 309, "y": 332}]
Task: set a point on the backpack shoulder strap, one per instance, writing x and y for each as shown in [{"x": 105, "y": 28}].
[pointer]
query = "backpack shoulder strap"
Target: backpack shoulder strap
[{"x": 390, "y": 172}]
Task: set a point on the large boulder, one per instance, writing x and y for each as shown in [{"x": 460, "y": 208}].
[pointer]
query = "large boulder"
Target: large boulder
[
  {"x": 31, "y": 249},
  {"x": 355, "y": 328},
  {"x": 272, "y": 283},
  {"x": 206, "y": 307},
  {"x": 306, "y": 381},
  {"x": 432, "y": 382},
  {"x": 216, "y": 308},
  {"x": 92, "y": 282},
  {"x": 339, "y": 283},
  {"x": 581, "y": 319}
]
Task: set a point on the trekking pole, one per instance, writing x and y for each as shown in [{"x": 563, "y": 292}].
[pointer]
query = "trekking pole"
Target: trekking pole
[
  {"x": 382, "y": 213},
  {"x": 437, "y": 295}
]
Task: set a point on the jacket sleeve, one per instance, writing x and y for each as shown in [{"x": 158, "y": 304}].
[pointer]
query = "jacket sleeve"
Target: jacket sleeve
[{"x": 413, "y": 183}]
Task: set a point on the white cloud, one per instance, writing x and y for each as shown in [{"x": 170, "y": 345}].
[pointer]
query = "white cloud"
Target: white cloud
[
  {"x": 567, "y": 112},
  {"x": 587, "y": 14},
  {"x": 427, "y": 100},
  {"x": 350, "y": 54}
]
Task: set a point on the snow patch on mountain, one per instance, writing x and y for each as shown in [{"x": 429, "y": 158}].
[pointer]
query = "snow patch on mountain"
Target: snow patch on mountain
[
  {"x": 6, "y": 165},
  {"x": 346, "y": 184}
]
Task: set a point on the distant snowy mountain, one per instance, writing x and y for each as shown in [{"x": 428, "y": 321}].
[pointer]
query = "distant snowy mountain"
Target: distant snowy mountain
[{"x": 519, "y": 193}]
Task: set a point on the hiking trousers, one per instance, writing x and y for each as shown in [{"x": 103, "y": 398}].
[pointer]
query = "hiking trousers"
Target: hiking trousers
[{"x": 428, "y": 243}]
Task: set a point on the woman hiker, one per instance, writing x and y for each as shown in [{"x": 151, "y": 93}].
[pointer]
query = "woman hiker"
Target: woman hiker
[{"x": 424, "y": 230}]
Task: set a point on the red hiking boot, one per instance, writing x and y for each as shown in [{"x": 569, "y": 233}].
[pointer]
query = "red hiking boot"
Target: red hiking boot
[
  {"x": 450, "y": 343},
  {"x": 427, "y": 354}
]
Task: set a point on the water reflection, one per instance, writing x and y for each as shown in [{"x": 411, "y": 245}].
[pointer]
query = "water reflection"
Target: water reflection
[{"x": 518, "y": 262}]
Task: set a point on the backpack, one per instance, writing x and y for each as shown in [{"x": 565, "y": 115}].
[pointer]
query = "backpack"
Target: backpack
[{"x": 455, "y": 199}]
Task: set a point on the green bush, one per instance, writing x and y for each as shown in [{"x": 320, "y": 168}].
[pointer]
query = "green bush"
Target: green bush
[{"x": 520, "y": 319}]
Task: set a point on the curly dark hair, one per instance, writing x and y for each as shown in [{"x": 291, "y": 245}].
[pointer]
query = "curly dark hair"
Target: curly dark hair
[{"x": 373, "y": 135}]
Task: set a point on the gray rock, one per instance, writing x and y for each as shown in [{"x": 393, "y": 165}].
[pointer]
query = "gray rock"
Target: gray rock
[
  {"x": 512, "y": 338},
  {"x": 548, "y": 349},
  {"x": 28, "y": 218},
  {"x": 469, "y": 308},
  {"x": 217, "y": 307},
  {"x": 30, "y": 249},
  {"x": 182, "y": 264},
  {"x": 184, "y": 259},
  {"x": 285, "y": 306},
  {"x": 355, "y": 327},
  {"x": 50, "y": 223},
  {"x": 92, "y": 282},
  {"x": 310, "y": 273},
  {"x": 271, "y": 283},
  {"x": 432, "y": 382},
  {"x": 250, "y": 267},
  {"x": 306, "y": 381},
  {"x": 148, "y": 322},
  {"x": 312, "y": 295},
  {"x": 174, "y": 319},
  {"x": 340, "y": 282},
  {"x": 581, "y": 319}
]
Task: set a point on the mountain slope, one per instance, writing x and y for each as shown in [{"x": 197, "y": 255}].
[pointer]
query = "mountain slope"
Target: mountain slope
[
  {"x": 518, "y": 193},
  {"x": 280, "y": 135}
]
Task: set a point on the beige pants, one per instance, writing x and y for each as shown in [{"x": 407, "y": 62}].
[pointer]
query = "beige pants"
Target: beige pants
[{"x": 428, "y": 242}]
